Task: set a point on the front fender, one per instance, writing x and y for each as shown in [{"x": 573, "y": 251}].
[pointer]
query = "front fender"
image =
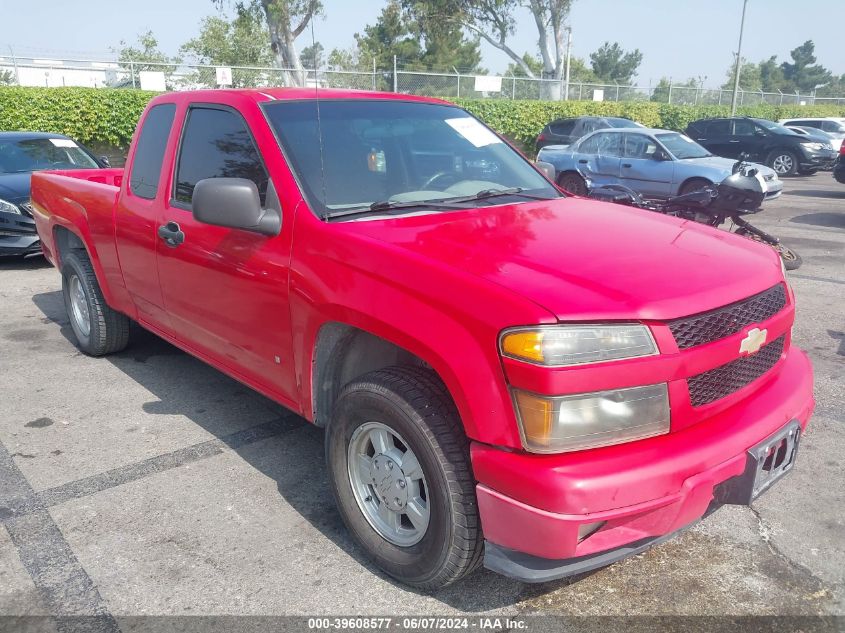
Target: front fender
[{"x": 448, "y": 318}]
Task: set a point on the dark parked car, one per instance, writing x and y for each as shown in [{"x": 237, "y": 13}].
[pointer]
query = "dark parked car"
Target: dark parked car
[
  {"x": 839, "y": 166},
  {"x": 566, "y": 131},
  {"x": 22, "y": 153},
  {"x": 764, "y": 142}
]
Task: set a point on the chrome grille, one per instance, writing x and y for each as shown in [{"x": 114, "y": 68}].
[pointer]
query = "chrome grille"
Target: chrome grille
[
  {"x": 720, "y": 382},
  {"x": 717, "y": 324}
]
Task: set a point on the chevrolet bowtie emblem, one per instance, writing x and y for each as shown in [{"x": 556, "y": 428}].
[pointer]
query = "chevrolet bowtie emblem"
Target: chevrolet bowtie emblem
[{"x": 754, "y": 341}]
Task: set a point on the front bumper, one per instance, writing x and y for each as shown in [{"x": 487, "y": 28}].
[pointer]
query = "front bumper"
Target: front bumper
[
  {"x": 641, "y": 493},
  {"x": 18, "y": 235},
  {"x": 823, "y": 159}
]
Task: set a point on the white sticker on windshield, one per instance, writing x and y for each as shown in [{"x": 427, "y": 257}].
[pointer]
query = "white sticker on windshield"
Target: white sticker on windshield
[
  {"x": 62, "y": 142},
  {"x": 473, "y": 131}
]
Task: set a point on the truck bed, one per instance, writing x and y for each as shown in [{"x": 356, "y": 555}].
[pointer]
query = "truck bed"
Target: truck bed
[{"x": 83, "y": 202}]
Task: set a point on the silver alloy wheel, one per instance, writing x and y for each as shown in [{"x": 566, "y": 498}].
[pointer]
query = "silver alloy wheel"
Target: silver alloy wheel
[
  {"x": 79, "y": 306},
  {"x": 388, "y": 483},
  {"x": 782, "y": 164}
]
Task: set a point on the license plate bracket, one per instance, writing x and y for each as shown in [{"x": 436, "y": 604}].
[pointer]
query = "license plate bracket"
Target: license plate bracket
[{"x": 766, "y": 463}]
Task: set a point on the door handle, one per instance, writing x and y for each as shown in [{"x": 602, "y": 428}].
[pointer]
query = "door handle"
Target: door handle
[
  {"x": 626, "y": 164},
  {"x": 583, "y": 161},
  {"x": 171, "y": 234},
  {"x": 733, "y": 141}
]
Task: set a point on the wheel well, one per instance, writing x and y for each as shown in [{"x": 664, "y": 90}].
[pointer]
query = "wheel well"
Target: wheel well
[
  {"x": 567, "y": 173},
  {"x": 65, "y": 242},
  {"x": 344, "y": 353},
  {"x": 693, "y": 179}
]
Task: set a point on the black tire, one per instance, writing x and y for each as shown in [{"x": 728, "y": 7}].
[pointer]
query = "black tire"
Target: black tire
[
  {"x": 414, "y": 403},
  {"x": 108, "y": 329},
  {"x": 791, "y": 259},
  {"x": 786, "y": 161},
  {"x": 573, "y": 183},
  {"x": 694, "y": 184}
]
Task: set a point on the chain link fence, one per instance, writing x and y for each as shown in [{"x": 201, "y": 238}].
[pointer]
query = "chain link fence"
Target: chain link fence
[{"x": 146, "y": 75}]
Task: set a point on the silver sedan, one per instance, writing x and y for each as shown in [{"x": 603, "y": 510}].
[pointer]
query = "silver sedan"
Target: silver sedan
[{"x": 655, "y": 163}]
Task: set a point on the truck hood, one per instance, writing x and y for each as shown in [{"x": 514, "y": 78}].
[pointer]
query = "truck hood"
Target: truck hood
[{"x": 584, "y": 259}]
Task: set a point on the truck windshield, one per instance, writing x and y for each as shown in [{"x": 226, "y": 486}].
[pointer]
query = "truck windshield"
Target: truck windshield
[
  {"x": 34, "y": 154},
  {"x": 398, "y": 154}
]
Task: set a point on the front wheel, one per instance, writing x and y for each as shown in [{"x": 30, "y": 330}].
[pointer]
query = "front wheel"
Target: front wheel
[
  {"x": 783, "y": 162},
  {"x": 693, "y": 185},
  {"x": 399, "y": 470},
  {"x": 573, "y": 183},
  {"x": 791, "y": 259}
]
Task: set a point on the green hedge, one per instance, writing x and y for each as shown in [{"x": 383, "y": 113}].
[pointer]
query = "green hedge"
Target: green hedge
[
  {"x": 90, "y": 115},
  {"x": 108, "y": 116}
]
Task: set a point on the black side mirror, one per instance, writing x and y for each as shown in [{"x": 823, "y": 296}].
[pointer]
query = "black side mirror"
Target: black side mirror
[
  {"x": 104, "y": 161},
  {"x": 661, "y": 155},
  {"x": 234, "y": 202},
  {"x": 759, "y": 131},
  {"x": 547, "y": 169}
]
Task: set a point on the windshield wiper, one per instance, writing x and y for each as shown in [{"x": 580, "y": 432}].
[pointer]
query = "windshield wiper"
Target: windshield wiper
[
  {"x": 387, "y": 205},
  {"x": 441, "y": 203},
  {"x": 484, "y": 194}
]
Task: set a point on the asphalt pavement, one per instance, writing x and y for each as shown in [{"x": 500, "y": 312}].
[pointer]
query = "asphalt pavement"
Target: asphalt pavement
[{"x": 147, "y": 483}]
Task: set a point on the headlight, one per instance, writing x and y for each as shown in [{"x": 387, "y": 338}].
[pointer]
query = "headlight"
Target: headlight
[
  {"x": 577, "y": 422},
  {"x": 8, "y": 207},
  {"x": 813, "y": 146},
  {"x": 560, "y": 346}
]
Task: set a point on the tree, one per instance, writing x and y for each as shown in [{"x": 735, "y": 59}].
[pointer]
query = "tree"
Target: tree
[
  {"x": 749, "y": 77},
  {"x": 685, "y": 92},
  {"x": 803, "y": 73},
  {"x": 286, "y": 20},
  {"x": 771, "y": 75},
  {"x": 421, "y": 35},
  {"x": 312, "y": 55},
  {"x": 495, "y": 21},
  {"x": 145, "y": 56},
  {"x": 611, "y": 63},
  {"x": 7, "y": 78},
  {"x": 239, "y": 42}
]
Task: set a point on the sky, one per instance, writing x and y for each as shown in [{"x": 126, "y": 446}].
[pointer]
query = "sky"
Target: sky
[{"x": 678, "y": 38}]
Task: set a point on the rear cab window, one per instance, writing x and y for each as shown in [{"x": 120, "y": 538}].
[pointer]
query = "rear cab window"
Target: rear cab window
[
  {"x": 149, "y": 152},
  {"x": 216, "y": 143}
]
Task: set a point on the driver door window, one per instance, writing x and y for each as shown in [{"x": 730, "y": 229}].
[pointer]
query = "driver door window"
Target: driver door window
[
  {"x": 638, "y": 146},
  {"x": 216, "y": 144},
  {"x": 745, "y": 128}
]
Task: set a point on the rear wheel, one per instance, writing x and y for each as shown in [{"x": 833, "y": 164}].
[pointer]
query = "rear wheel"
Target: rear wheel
[
  {"x": 694, "y": 184},
  {"x": 783, "y": 162},
  {"x": 399, "y": 470},
  {"x": 573, "y": 183},
  {"x": 99, "y": 330}
]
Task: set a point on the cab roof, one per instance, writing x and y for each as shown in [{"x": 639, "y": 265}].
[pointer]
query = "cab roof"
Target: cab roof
[{"x": 262, "y": 95}]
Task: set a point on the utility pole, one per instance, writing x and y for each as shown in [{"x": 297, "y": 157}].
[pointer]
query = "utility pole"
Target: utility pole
[
  {"x": 568, "y": 58},
  {"x": 15, "y": 64},
  {"x": 738, "y": 59}
]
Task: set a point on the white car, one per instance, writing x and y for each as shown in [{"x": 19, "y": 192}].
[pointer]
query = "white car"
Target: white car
[
  {"x": 816, "y": 134},
  {"x": 835, "y": 126}
]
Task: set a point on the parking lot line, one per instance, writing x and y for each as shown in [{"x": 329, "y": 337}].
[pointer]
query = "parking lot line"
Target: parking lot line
[{"x": 61, "y": 581}]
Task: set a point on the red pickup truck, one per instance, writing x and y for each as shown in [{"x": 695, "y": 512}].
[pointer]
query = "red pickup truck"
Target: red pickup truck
[{"x": 507, "y": 374}]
